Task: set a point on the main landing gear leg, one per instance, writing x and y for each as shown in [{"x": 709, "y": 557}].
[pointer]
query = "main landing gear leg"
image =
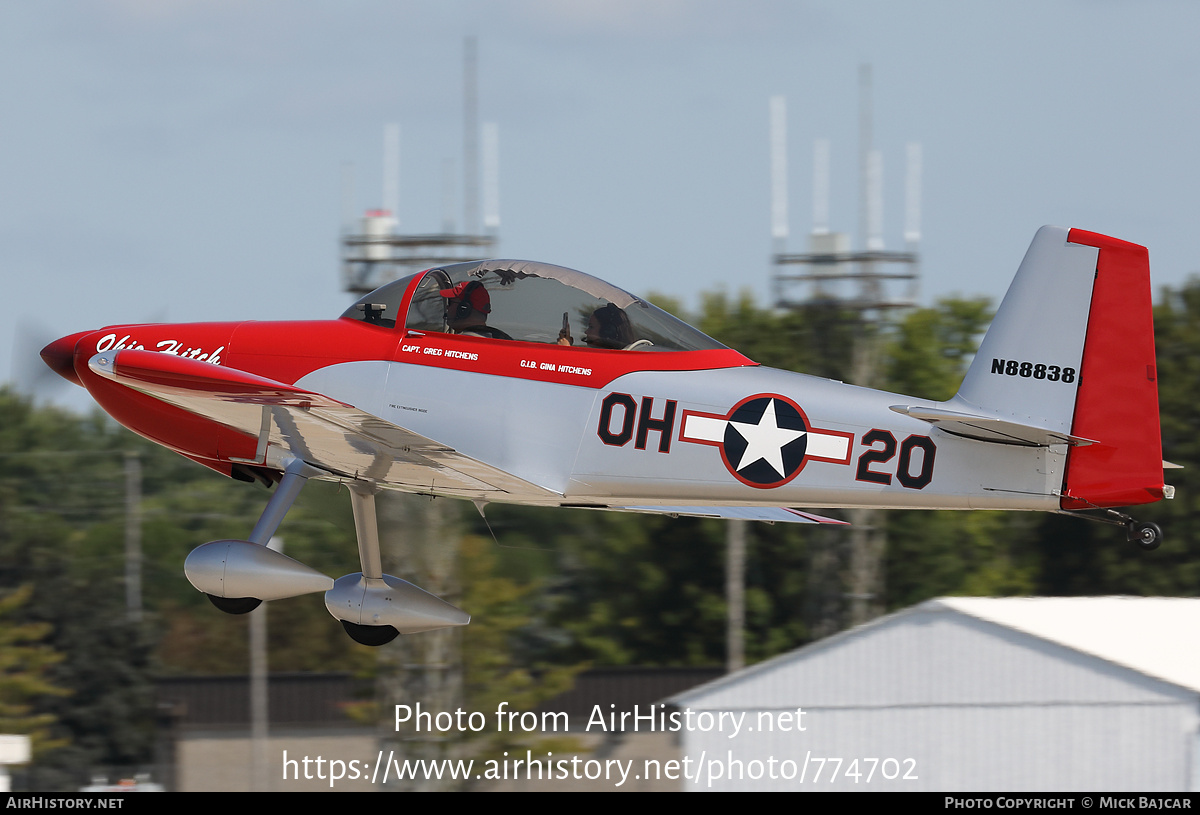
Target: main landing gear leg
[
  {"x": 295, "y": 476},
  {"x": 366, "y": 526},
  {"x": 375, "y": 607}
]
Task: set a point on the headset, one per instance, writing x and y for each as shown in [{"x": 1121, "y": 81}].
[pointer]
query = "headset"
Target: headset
[{"x": 464, "y": 309}]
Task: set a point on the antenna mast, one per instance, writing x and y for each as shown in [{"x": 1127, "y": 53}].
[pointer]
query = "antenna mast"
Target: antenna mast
[
  {"x": 779, "y": 172},
  {"x": 470, "y": 138},
  {"x": 491, "y": 177},
  {"x": 373, "y": 253},
  {"x": 802, "y": 279},
  {"x": 391, "y": 172}
]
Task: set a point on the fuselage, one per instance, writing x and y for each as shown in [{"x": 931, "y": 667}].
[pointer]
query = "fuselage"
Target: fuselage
[
  {"x": 524, "y": 382},
  {"x": 590, "y": 426}
]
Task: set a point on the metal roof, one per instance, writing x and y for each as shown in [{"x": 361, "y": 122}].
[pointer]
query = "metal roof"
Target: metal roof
[{"x": 1156, "y": 636}]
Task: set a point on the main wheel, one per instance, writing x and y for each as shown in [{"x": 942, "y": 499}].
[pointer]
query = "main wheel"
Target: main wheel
[
  {"x": 372, "y": 635},
  {"x": 235, "y": 605},
  {"x": 1146, "y": 535}
]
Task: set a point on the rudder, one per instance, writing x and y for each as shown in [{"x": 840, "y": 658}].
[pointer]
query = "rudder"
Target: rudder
[{"x": 1117, "y": 400}]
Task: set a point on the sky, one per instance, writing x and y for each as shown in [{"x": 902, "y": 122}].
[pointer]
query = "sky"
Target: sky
[{"x": 182, "y": 160}]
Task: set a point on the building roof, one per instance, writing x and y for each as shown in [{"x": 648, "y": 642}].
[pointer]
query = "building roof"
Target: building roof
[{"x": 1156, "y": 636}]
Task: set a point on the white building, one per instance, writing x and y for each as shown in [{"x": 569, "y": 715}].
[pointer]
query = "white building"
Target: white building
[{"x": 966, "y": 694}]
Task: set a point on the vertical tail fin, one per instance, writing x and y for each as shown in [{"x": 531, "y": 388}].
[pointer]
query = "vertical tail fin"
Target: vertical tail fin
[{"x": 1072, "y": 350}]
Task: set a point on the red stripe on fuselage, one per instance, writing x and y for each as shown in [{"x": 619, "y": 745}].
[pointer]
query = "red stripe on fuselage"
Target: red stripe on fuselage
[
  {"x": 545, "y": 362},
  {"x": 286, "y": 351},
  {"x": 262, "y": 348}
]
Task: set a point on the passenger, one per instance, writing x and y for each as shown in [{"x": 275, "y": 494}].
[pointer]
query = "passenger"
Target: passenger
[
  {"x": 609, "y": 327},
  {"x": 468, "y": 305}
]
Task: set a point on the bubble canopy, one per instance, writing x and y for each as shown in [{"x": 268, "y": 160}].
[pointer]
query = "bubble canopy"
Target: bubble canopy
[{"x": 533, "y": 302}]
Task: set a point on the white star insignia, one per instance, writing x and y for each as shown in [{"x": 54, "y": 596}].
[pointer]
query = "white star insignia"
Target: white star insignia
[{"x": 765, "y": 440}]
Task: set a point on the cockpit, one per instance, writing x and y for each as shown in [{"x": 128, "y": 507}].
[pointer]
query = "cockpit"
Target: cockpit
[{"x": 527, "y": 301}]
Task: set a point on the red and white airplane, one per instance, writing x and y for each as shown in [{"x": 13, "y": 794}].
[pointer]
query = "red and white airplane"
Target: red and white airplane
[{"x": 521, "y": 382}]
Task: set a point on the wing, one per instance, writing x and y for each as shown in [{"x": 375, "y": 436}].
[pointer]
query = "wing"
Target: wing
[
  {"x": 313, "y": 427},
  {"x": 766, "y": 514}
]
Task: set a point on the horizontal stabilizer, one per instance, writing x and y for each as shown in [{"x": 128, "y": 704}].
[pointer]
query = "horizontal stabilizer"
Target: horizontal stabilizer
[{"x": 989, "y": 428}]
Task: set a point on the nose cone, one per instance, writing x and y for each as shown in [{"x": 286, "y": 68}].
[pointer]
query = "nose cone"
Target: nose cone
[{"x": 60, "y": 356}]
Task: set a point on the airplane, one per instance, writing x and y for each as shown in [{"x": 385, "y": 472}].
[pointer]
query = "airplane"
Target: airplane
[{"x": 523, "y": 382}]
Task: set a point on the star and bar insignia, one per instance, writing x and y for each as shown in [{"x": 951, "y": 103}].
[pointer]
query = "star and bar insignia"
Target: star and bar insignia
[{"x": 766, "y": 439}]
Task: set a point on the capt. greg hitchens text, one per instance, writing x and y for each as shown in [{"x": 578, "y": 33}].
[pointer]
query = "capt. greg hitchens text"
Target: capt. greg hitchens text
[{"x": 653, "y": 718}]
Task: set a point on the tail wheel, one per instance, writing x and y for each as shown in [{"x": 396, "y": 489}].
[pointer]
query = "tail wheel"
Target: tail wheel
[
  {"x": 1146, "y": 535},
  {"x": 235, "y": 605},
  {"x": 372, "y": 635}
]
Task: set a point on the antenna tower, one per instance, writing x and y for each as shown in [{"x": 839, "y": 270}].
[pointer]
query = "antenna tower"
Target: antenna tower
[
  {"x": 831, "y": 271},
  {"x": 375, "y": 253},
  {"x": 867, "y": 282}
]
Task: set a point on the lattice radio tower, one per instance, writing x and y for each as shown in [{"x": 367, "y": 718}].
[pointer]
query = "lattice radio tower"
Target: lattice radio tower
[
  {"x": 868, "y": 283},
  {"x": 375, "y": 253}
]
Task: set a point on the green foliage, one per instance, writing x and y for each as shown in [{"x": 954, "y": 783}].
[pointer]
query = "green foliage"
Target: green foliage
[
  {"x": 109, "y": 717},
  {"x": 641, "y": 590},
  {"x": 934, "y": 554},
  {"x": 816, "y": 340},
  {"x": 62, "y": 534},
  {"x": 25, "y": 663},
  {"x": 931, "y": 347},
  {"x": 59, "y": 536},
  {"x": 623, "y": 589},
  {"x": 494, "y": 669}
]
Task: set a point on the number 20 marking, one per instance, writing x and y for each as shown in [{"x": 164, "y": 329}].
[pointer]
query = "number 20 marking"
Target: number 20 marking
[{"x": 882, "y": 446}]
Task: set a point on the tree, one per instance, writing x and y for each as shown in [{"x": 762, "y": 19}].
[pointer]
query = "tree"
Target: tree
[
  {"x": 25, "y": 663},
  {"x": 931, "y": 347}
]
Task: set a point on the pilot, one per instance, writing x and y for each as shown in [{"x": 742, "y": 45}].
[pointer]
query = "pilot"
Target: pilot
[{"x": 468, "y": 305}]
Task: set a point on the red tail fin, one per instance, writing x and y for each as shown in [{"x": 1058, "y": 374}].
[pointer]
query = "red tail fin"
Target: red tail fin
[{"x": 1117, "y": 401}]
